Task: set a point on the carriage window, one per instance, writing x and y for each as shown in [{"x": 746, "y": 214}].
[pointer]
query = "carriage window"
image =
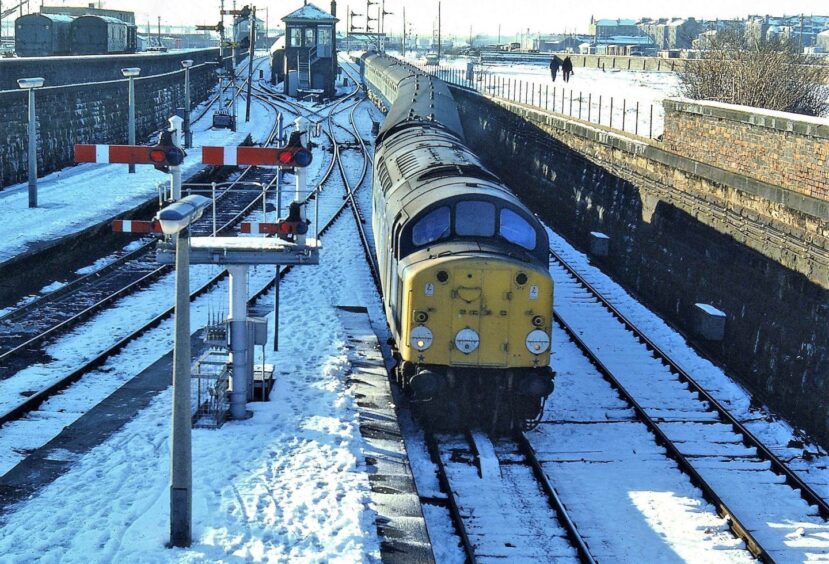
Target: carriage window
[
  {"x": 516, "y": 229},
  {"x": 434, "y": 226},
  {"x": 475, "y": 218}
]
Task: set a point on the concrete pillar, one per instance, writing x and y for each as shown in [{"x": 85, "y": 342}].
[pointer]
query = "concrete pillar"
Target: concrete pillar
[{"x": 239, "y": 349}]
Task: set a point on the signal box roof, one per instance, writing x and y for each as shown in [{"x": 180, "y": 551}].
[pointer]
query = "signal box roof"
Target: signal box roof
[{"x": 309, "y": 14}]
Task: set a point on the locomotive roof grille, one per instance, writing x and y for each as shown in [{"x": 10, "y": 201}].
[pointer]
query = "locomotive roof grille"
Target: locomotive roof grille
[{"x": 468, "y": 170}]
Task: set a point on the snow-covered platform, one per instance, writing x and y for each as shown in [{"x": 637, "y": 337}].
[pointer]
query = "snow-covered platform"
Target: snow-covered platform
[
  {"x": 394, "y": 497},
  {"x": 45, "y": 464}
]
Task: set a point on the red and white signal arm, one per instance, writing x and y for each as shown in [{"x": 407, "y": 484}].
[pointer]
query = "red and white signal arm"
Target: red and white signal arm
[
  {"x": 253, "y": 156},
  {"x": 136, "y": 226},
  {"x": 129, "y": 154}
]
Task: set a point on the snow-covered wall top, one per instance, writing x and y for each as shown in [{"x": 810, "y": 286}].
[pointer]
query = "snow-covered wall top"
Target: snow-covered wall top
[{"x": 782, "y": 149}]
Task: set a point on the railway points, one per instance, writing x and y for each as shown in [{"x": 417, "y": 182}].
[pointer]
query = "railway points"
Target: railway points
[{"x": 483, "y": 396}]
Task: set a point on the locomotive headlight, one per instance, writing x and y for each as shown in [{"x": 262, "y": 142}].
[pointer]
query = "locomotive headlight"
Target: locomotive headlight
[
  {"x": 467, "y": 340},
  {"x": 537, "y": 341},
  {"x": 421, "y": 338}
]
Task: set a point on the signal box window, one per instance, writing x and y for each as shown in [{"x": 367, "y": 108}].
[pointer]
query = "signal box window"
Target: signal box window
[
  {"x": 475, "y": 218},
  {"x": 516, "y": 229},
  {"x": 434, "y": 226},
  {"x": 309, "y": 37},
  {"x": 296, "y": 37},
  {"x": 324, "y": 35}
]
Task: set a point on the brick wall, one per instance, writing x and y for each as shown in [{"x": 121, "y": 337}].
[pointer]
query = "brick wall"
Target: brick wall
[
  {"x": 783, "y": 149},
  {"x": 682, "y": 232},
  {"x": 89, "y": 113}
]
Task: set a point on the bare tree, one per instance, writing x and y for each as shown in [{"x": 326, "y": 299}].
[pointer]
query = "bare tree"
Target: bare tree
[{"x": 772, "y": 74}]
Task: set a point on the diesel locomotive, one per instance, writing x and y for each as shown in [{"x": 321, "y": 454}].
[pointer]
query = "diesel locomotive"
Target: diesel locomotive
[{"x": 464, "y": 264}]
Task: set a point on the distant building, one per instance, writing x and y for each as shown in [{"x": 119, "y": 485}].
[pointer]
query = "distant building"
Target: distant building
[
  {"x": 802, "y": 29},
  {"x": 673, "y": 33},
  {"x": 607, "y": 28},
  {"x": 554, "y": 43},
  {"x": 822, "y": 41},
  {"x": 622, "y": 45}
]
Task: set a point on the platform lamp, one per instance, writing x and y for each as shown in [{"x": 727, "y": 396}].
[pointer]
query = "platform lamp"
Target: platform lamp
[
  {"x": 188, "y": 135},
  {"x": 131, "y": 73},
  {"x": 30, "y": 84},
  {"x": 175, "y": 221}
]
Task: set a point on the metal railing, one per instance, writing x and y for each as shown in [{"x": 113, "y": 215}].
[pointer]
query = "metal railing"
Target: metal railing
[{"x": 618, "y": 113}]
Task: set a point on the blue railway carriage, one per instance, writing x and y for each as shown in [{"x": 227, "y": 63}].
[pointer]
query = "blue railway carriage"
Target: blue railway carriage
[
  {"x": 42, "y": 35},
  {"x": 100, "y": 35}
]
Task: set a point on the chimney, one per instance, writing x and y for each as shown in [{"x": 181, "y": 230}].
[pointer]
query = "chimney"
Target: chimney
[{"x": 334, "y": 8}]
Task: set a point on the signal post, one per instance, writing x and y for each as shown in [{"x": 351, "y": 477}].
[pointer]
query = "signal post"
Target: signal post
[{"x": 237, "y": 254}]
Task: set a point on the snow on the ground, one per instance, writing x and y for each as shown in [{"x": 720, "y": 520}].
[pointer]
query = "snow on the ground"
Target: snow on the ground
[
  {"x": 97, "y": 334},
  {"x": 626, "y": 88},
  {"x": 75, "y": 198},
  {"x": 776, "y": 433},
  {"x": 287, "y": 484}
]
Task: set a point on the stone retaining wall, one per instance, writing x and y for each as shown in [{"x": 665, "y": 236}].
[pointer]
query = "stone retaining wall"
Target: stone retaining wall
[
  {"x": 89, "y": 113},
  {"x": 59, "y": 71},
  {"x": 682, "y": 232}
]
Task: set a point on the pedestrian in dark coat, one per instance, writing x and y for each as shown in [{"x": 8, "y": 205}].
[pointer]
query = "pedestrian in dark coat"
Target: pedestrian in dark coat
[
  {"x": 567, "y": 68},
  {"x": 555, "y": 64}
]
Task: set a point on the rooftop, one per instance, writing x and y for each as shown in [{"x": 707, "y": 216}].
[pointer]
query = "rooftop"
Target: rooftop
[
  {"x": 309, "y": 12},
  {"x": 610, "y": 22}
]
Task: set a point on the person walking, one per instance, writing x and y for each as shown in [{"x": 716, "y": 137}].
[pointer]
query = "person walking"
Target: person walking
[
  {"x": 555, "y": 64},
  {"x": 567, "y": 68}
]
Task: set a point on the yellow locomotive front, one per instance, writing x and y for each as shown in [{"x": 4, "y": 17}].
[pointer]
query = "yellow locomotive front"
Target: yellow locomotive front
[
  {"x": 476, "y": 312},
  {"x": 474, "y": 341}
]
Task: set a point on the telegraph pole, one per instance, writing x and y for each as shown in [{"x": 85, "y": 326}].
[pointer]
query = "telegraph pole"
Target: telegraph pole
[
  {"x": 404, "y": 32},
  {"x": 252, "y": 40},
  {"x": 439, "y": 41},
  {"x": 222, "y": 35}
]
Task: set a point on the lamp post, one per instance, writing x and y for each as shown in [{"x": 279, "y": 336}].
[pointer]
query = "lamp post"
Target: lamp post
[
  {"x": 30, "y": 84},
  {"x": 131, "y": 73},
  {"x": 188, "y": 135},
  {"x": 175, "y": 220}
]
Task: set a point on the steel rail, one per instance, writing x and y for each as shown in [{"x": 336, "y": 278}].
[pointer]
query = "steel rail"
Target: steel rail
[
  {"x": 735, "y": 524},
  {"x": 749, "y": 439},
  {"x": 555, "y": 501},
  {"x": 454, "y": 510},
  {"x": 33, "y": 402},
  {"x": 77, "y": 285}
]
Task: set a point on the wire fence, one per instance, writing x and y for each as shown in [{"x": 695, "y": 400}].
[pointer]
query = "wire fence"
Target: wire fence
[{"x": 619, "y": 113}]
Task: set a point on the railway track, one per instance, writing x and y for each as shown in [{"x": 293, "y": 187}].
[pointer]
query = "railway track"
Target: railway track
[
  {"x": 765, "y": 503},
  {"x": 32, "y": 403},
  {"x": 106, "y": 297},
  {"x": 491, "y": 487},
  {"x": 502, "y": 505},
  {"x": 24, "y": 330}
]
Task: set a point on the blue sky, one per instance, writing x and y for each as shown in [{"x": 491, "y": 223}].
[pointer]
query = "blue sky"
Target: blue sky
[{"x": 482, "y": 15}]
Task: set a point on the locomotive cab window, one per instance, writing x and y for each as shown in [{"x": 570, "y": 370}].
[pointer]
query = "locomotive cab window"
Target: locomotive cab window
[
  {"x": 433, "y": 226},
  {"x": 473, "y": 218},
  {"x": 516, "y": 229}
]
